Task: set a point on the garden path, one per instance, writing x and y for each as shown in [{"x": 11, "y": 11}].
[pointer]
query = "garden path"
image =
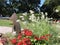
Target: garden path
[{"x": 5, "y": 29}]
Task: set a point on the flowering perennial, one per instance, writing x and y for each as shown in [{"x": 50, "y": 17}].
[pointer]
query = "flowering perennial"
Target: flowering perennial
[{"x": 26, "y": 37}]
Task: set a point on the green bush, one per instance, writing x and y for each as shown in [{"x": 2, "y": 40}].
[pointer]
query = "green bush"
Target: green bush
[{"x": 40, "y": 27}]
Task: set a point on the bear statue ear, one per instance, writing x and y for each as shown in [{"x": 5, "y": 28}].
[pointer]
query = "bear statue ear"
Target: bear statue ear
[
  {"x": 13, "y": 17},
  {"x": 1, "y": 43}
]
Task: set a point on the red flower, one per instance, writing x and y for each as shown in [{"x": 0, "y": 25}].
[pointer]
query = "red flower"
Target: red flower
[
  {"x": 43, "y": 38},
  {"x": 25, "y": 44},
  {"x": 14, "y": 41},
  {"x": 37, "y": 38},
  {"x": 19, "y": 43},
  {"x": 26, "y": 41},
  {"x": 27, "y": 32},
  {"x": 19, "y": 37}
]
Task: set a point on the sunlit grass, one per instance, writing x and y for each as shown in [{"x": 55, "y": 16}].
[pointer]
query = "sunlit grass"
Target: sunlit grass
[{"x": 5, "y": 22}]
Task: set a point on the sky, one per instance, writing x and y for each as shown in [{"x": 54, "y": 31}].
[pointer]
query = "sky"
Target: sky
[{"x": 42, "y": 2}]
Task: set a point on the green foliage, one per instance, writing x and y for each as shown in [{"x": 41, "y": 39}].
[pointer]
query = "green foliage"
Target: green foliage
[
  {"x": 40, "y": 27},
  {"x": 10, "y": 35},
  {"x": 52, "y": 1}
]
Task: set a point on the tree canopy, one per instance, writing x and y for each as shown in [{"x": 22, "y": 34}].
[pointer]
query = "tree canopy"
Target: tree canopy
[
  {"x": 8, "y": 7},
  {"x": 50, "y": 6}
]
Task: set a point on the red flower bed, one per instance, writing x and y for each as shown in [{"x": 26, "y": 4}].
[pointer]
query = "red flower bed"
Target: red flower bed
[{"x": 26, "y": 37}]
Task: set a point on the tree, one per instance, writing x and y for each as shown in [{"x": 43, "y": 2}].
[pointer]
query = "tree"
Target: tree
[
  {"x": 17, "y": 6},
  {"x": 26, "y": 4},
  {"x": 50, "y": 6}
]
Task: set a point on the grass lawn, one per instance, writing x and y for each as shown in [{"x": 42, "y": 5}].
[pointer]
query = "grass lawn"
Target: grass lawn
[{"x": 5, "y": 22}]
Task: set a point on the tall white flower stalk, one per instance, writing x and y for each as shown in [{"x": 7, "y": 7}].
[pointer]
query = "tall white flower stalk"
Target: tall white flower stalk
[
  {"x": 38, "y": 18},
  {"x": 46, "y": 16},
  {"x": 24, "y": 14},
  {"x": 22, "y": 17},
  {"x": 31, "y": 11},
  {"x": 42, "y": 15},
  {"x": 32, "y": 18}
]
